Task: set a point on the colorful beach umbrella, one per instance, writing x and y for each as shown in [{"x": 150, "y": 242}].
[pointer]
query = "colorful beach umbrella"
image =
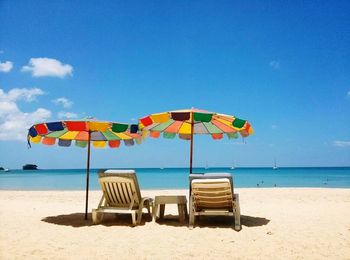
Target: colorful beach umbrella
[
  {"x": 186, "y": 123},
  {"x": 84, "y": 133}
]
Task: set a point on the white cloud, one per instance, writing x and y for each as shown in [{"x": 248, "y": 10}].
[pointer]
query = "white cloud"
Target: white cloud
[
  {"x": 15, "y": 94},
  {"x": 46, "y": 67},
  {"x": 66, "y": 103},
  {"x": 14, "y": 123},
  {"x": 341, "y": 143},
  {"x": 66, "y": 115},
  {"x": 7, "y": 107},
  {"x": 274, "y": 64},
  {"x": 6, "y": 66}
]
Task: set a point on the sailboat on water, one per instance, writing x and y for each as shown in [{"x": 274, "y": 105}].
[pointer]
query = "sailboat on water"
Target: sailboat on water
[
  {"x": 275, "y": 166},
  {"x": 233, "y": 166}
]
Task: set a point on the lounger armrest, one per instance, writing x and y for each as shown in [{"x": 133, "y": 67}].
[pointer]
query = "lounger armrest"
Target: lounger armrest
[{"x": 147, "y": 198}]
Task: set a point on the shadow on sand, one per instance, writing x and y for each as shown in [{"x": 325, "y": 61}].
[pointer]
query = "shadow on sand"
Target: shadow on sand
[
  {"x": 77, "y": 220},
  {"x": 215, "y": 221}
]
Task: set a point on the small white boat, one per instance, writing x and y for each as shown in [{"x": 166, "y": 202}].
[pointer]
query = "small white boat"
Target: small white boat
[
  {"x": 275, "y": 166},
  {"x": 233, "y": 166}
]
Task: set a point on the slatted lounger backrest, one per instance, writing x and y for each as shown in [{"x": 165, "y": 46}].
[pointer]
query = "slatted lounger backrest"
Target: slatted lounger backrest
[
  {"x": 120, "y": 188},
  {"x": 212, "y": 193},
  {"x": 118, "y": 191}
]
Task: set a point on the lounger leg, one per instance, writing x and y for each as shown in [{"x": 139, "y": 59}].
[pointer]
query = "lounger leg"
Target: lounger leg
[
  {"x": 139, "y": 215},
  {"x": 96, "y": 216},
  {"x": 155, "y": 212},
  {"x": 191, "y": 220},
  {"x": 237, "y": 212},
  {"x": 148, "y": 207},
  {"x": 133, "y": 217}
]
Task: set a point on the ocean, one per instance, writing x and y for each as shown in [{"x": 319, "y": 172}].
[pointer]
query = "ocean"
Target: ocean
[{"x": 177, "y": 178}]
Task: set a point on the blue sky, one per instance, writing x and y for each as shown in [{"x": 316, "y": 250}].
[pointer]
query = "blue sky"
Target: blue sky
[{"x": 283, "y": 66}]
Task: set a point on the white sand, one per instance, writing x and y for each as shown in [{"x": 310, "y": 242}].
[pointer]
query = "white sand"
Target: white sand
[{"x": 277, "y": 223}]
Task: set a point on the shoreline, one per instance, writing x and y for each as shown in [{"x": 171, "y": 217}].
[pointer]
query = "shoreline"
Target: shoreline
[
  {"x": 276, "y": 222},
  {"x": 184, "y": 167},
  {"x": 183, "y": 189}
]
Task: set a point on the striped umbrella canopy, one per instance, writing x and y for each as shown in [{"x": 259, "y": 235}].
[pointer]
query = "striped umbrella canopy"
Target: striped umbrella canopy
[
  {"x": 186, "y": 123},
  {"x": 83, "y": 133}
]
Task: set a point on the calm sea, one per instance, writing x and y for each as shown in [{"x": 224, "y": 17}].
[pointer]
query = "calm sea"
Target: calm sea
[{"x": 175, "y": 178}]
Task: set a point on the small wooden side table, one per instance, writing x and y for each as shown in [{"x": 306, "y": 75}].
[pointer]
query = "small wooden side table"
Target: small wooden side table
[{"x": 161, "y": 201}]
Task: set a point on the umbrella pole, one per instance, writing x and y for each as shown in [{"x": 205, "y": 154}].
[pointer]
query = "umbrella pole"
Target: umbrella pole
[
  {"x": 87, "y": 177},
  {"x": 191, "y": 148}
]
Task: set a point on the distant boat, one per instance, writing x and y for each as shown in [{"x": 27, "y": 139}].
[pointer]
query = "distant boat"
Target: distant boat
[
  {"x": 233, "y": 166},
  {"x": 206, "y": 166},
  {"x": 275, "y": 166},
  {"x": 4, "y": 169},
  {"x": 30, "y": 167}
]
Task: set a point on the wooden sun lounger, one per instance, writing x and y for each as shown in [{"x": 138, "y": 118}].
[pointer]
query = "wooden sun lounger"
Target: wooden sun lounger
[
  {"x": 121, "y": 194},
  {"x": 213, "y": 197}
]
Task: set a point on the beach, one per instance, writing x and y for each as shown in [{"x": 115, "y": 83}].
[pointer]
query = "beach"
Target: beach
[
  {"x": 292, "y": 223},
  {"x": 208, "y": 98}
]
